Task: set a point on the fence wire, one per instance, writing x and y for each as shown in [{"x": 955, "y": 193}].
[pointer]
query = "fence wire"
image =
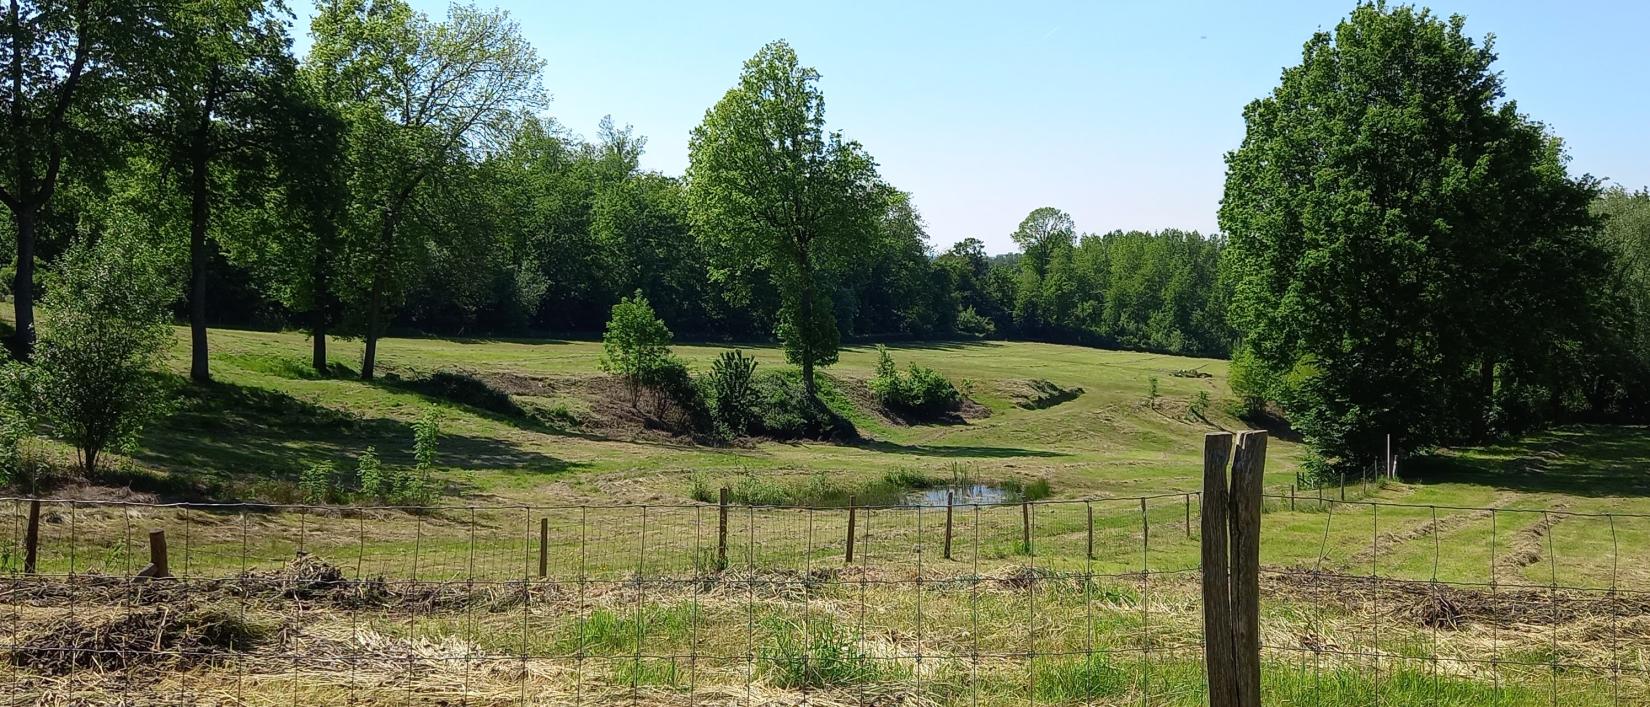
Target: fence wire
[{"x": 1091, "y": 601}]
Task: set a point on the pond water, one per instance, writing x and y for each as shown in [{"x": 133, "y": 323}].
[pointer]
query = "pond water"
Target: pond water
[{"x": 965, "y": 494}]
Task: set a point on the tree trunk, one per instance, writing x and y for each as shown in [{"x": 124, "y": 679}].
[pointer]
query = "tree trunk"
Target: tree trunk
[
  {"x": 805, "y": 332},
  {"x": 318, "y": 341},
  {"x": 1486, "y": 383},
  {"x": 200, "y": 215},
  {"x": 370, "y": 355},
  {"x": 22, "y": 344},
  {"x": 321, "y": 309}
]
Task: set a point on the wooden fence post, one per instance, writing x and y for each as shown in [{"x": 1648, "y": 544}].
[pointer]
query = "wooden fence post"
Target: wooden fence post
[
  {"x": 722, "y": 530},
  {"x": 1248, "y": 469},
  {"x": 1343, "y": 486},
  {"x": 1217, "y": 606},
  {"x": 1188, "y": 516},
  {"x": 157, "y": 556},
  {"x": 1025, "y": 526},
  {"x": 31, "y": 538},
  {"x": 950, "y": 500},
  {"x": 1291, "y": 497},
  {"x": 544, "y": 547},
  {"x": 853, "y": 512}
]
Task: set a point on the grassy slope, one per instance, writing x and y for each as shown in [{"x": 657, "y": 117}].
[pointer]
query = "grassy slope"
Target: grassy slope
[
  {"x": 264, "y": 419},
  {"x": 1105, "y": 442}
]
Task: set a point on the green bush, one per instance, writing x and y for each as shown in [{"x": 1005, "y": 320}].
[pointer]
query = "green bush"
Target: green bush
[
  {"x": 732, "y": 392},
  {"x": 103, "y": 336},
  {"x": 317, "y": 482},
  {"x": 784, "y": 410},
  {"x": 970, "y": 323},
  {"x": 370, "y": 476},
  {"x": 921, "y": 392},
  {"x": 636, "y": 345}
]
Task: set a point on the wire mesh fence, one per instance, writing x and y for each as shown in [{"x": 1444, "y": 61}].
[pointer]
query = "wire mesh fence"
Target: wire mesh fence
[{"x": 1051, "y": 602}]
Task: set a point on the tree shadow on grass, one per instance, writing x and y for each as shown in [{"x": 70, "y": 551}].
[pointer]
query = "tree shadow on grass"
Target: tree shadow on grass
[
  {"x": 223, "y": 440},
  {"x": 959, "y": 451},
  {"x": 1583, "y": 460}
]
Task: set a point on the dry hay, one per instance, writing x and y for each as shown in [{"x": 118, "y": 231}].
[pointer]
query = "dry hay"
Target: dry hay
[
  {"x": 1389, "y": 541},
  {"x": 1436, "y": 605},
  {"x": 1528, "y": 545},
  {"x": 176, "y": 637}
]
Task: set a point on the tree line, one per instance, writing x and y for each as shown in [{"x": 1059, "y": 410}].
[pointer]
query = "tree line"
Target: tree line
[
  {"x": 1401, "y": 252},
  {"x": 403, "y": 173}
]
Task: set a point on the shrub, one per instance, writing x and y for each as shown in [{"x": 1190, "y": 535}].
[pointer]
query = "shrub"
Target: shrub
[
  {"x": 102, "y": 334},
  {"x": 1199, "y": 405},
  {"x": 732, "y": 392},
  {"x": 1251, "y": 382},
  {"x": 674, "y": 388},
  {"x": 316, "y": 482},
  {"x": 370, "y": 476},
  {"x": 426, "y": 435},
  {"x": 970, "y": 323},
  {"x": 636, "y": 344},
  {"x": 1151, "y": 392},
  {"x": 921, "y": 392},
  {"x": 784, "y": 410}
]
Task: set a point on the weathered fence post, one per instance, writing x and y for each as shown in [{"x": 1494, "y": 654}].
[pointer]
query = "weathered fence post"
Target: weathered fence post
[
  {"x": 1248, "y": 468},
  {"x": 722, "y": 530},
  {"x": 1343, "y": 486},
  {"x": 1291, "y": 497},
  {"x": 31, "y": 538},
  {"x": 1217, "y": 602},
  {"x": 544, "y": 547},
  {"x": 1188, "y": 516},
  {"x": 157, "y": 556},
  {"x": 1025, "y": 526},
  {"x": 853, "y": 510},
  {"x": 950, "y": 500},
  {"x": 1231, "y": 567}
]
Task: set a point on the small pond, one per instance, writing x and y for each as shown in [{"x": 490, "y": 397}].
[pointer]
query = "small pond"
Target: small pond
[{"x": 966, "y": 494}]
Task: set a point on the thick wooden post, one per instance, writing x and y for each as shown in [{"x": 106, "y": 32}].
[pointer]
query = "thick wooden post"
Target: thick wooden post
[
  {"x": 1025, "y": 527},
  {"x": 950, "y": 501},
  {"x": 544, "y": 548},
  {"x": 722, "y": 531},
  {"x": 31, "y": 538},
  {"x": 157, "y": 556},
  {"x": 1217, "y": 600},
  {"x": 853, "y": 512},
  {"x": 1248, "y": 468}
]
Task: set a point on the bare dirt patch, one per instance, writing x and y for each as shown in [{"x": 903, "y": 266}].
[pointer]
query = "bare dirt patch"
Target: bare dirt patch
[{"x": 1037, "y": 393}]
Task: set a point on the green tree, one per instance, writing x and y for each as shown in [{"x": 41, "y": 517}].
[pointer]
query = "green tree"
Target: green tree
[
  {"x": 65, "y": 66},
  {"x": 1401, "y": 238},
  {"x": 767, "y": 184},
  {"x": 217, "y": 93},
  {"x": 636, "y": 345},
  {"x": 417, "y": 94},
  {"x": 95, "y": 377}
]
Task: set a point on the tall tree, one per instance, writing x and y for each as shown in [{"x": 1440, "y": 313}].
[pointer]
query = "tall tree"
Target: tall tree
[
  {"x": 767, "y": 184},
  {"x": 417, "y": 93},
  {"x": 63, "y": 62},
  {"x": 1394, "y": 224},
  {"x": 217, "y": 92}
]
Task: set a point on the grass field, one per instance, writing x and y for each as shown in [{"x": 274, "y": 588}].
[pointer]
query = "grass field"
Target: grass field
[{"x": 1506, "y": 575}]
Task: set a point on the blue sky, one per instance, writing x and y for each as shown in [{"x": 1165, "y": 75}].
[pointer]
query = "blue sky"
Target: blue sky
[{"x": 1118, "y": 112}]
